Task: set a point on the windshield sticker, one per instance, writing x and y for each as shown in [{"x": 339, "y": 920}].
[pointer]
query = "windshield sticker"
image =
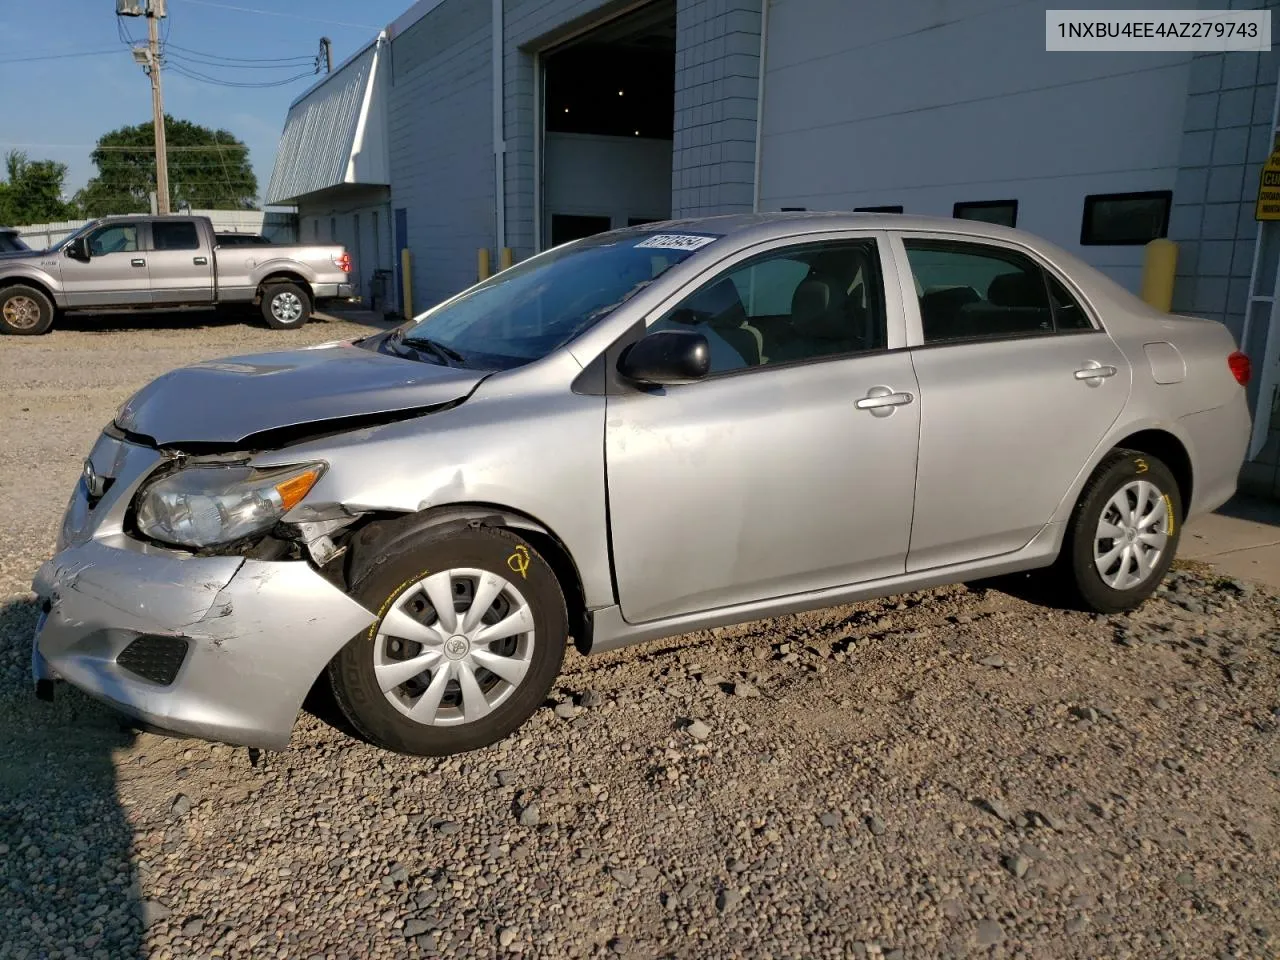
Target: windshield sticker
[{"x": 675, "y": 241}]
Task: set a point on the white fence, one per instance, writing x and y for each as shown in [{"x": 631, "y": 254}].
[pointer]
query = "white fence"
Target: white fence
[{"x": 276, "y": 225}]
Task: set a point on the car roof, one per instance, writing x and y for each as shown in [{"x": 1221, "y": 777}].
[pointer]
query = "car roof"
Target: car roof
[{"x": 789, "y": 223}]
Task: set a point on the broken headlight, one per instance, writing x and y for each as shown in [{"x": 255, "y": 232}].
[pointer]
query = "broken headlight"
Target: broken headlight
[{"x": 204, "y": 506}]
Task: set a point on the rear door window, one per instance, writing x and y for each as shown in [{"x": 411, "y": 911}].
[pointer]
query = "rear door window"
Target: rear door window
[{"x": 174, "y": 235}]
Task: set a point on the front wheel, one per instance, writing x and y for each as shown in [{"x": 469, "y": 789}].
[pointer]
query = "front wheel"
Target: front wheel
[
  {"x": 469, "y": 638},
  {"x": 25, "y": 311},
  {"x": 1123, "y": 533},
  {"x": 285, "y": 306}
]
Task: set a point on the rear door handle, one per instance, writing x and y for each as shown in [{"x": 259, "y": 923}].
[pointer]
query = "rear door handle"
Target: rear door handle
[
  {"x": 881, "y": 401},
  {"x": 1096, "y": 372},
  {"x": 200, "y": 261},
  {"x": 139, "y": 262}
]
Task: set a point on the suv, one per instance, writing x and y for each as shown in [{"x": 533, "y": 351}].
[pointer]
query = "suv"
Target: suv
[{"x": 11, "y": 241}]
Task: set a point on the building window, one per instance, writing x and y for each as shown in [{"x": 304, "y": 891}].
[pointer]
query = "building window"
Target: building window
[
  {"x": 889, "y": 209},
  {"x": 1003, "y": 212},
  {"x": 566, "y": 228},
  {"x": 1125, "y": 219},
  {"x": 793, "y": 210}
]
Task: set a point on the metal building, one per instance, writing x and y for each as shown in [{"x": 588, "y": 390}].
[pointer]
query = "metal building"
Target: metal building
[{"x": 523, "y": 123}]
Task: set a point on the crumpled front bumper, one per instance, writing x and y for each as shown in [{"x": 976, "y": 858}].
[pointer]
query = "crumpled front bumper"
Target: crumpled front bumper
[{"x": 256, "y": 634}]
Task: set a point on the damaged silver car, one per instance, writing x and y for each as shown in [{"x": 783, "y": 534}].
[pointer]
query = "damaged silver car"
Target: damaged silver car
[{"x": 636, "y": 435}]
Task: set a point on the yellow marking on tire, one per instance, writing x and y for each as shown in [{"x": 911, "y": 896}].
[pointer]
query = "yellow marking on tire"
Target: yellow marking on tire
[
  {"x": 395, "y": 595},
  {"x": 1140, "y": 464},
  {"x": 519, "y": 561},
  {"x": 1168, "y": 506}
]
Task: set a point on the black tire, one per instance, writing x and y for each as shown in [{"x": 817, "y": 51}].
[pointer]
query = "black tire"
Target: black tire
[
  {"x": 285, "y": 306},
  {"x": 351, "y": 672},
  {"x": 17, "y": 304},
  {"x": 1077, "y": 570}
]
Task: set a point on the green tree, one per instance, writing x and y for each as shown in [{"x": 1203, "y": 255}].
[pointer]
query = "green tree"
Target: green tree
[
  {"x": 32, "y": 190},
  {"x": 209, "y": 169}
]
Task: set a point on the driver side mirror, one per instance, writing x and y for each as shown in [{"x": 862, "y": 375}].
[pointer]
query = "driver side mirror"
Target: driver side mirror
[
  {"x": 78, "y": 249},
  {"x": 668, "y": 356}
]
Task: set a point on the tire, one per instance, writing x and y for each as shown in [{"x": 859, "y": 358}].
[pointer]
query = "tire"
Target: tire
[
  {"x": 286, "y": 306},
  {"x": 1103, "y": 589},
  {"x": 25, "y": 311},
  {"x": 393, "y": 586}
]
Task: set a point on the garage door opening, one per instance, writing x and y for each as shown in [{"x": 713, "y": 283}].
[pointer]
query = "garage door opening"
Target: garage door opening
[{"x": 608, "y": 120}]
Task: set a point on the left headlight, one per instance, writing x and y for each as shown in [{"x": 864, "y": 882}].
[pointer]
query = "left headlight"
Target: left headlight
[{"x": 208, "y": 506}]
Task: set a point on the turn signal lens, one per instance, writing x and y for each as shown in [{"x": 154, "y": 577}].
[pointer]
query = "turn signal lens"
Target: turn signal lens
[
  {"x": 292, "y": 491},
  {"x": 1241, "y": 368}
]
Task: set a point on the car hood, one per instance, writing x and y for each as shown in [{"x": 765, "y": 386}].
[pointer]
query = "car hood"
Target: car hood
[
  {"x": 20, "y": 254},
  {"x": 237, "y": 399}
]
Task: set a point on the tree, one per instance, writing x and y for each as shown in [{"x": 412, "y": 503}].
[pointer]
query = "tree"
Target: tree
[
  {"x": 209, "y": 169},
  {"x": 32, "y": 190}
]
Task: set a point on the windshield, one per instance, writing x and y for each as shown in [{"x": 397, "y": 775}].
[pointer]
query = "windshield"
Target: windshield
[
  {"x": 71, "y": 236},
  {"x": 533, "y": 308}
]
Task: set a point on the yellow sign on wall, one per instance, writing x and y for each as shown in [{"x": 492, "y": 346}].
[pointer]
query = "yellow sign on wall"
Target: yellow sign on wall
[{"x": 1268, "y": 205}]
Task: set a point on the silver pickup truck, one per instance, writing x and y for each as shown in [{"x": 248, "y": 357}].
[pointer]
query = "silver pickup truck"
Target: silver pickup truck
[{"x": 128, "y": 263}]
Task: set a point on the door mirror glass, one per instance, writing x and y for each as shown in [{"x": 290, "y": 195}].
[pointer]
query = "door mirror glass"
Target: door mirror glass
[
  {"x": 669, "y": 356},
  {"x": 78, "y": 249}
]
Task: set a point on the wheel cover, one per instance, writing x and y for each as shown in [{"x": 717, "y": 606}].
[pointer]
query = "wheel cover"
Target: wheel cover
[
  {"x": 1133, "y": 533},
  {"x": 453, "y": 647},
  {"x": 286, "y": 306},
  {"x": 21, "y": 312}
]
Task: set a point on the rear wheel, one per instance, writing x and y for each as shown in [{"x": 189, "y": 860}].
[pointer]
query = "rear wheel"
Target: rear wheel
[
  {"x": 25, "y": 311},
  {"x": 1123, "y": 533},
  {"x": 285, "y": 306},
  {"x": 470, "y": 636}
]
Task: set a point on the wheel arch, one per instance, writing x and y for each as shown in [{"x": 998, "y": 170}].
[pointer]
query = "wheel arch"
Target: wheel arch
[
  {"x": 33, "y": 282},
  {"x": 1171, "y": 451},
  {"x": 285, "y": 276},
  {"x": 382, "y": 535}
]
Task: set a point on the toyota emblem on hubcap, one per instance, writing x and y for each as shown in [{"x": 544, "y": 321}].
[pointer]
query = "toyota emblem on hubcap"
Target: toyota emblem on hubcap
[{"x": 455, "y": 648}]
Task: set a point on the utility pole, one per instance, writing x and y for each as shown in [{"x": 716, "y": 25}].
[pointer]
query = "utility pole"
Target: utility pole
[
  {"x": 326, "y": 51},
  {"x": 149, "y": 57}
]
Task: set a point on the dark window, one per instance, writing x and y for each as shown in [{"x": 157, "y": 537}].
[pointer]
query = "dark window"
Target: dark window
[
  {"x": 800, "y": 303},
  {"x": 1003, "y": 212},
  {"x": 1067, "y": 312},
  {"x": 793, "y": 209},
  {"x": 114, "y": 238},
  {"x": 972, "y": 292},
  {"x": 1125, "y": 219},
  {"x": 174, "y": 235},
  {"x": 566, "y": 227},
  {"x": 888, "y": 209}
]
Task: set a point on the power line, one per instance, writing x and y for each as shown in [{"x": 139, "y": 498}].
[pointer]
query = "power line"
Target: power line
[
  {"x": 58, "y": 56},
  {"x": 190, "y": 61},
  {"x": 276, "y": 13},
  {"x": 204, "y": 78},
  {"x": 217, "y": 56}
]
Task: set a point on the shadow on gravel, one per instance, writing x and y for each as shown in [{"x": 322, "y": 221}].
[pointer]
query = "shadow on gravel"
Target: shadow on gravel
[
  {"x": 146, "y": 320},
  {"x": 68, "y": 886}
]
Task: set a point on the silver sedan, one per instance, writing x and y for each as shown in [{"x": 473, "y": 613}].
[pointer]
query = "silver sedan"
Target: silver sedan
[{"x": 636, "y": 435}]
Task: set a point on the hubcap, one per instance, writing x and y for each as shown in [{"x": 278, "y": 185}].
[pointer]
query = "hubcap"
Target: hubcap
[
  {"x": 286, "y": 306},
  {"x": 1132, "y": 534},
  {"x": 454, "y": 646},
  {"x": 21, "y": 312}
]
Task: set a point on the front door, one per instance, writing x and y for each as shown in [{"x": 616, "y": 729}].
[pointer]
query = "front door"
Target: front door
[
  {"x": 115, "y": 273},
  {"x": 790, "y": 467},
  {"x": 181, "y": 271},
  {"x": 1017, "y": 389}
]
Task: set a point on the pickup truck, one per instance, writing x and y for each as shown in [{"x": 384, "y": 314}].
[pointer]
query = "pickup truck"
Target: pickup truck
[{"x": 127, "y": 263}]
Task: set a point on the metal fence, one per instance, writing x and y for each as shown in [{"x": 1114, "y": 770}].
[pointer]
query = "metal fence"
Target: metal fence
[{"x": 279, "y": 226}]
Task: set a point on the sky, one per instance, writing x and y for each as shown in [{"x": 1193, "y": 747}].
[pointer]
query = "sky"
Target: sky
[{"x": 56, "y": 109}]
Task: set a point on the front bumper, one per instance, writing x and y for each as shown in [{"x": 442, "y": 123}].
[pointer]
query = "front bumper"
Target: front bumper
[
  {"x": 256, "y": 635},
  {"x": 335, "y": 291}
]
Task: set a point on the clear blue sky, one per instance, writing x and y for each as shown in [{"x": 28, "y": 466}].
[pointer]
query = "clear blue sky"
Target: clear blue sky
[{"x": 57, "y": 108}]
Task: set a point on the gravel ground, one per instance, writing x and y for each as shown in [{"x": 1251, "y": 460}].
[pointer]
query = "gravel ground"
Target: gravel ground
[{"x": 958, "y": 772}]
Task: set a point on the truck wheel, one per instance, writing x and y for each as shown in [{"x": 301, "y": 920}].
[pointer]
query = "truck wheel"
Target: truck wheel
[
  {"x": 25, "y": 311},
  {"x": 470, "y": 636},
  {"x": 285, "y": 306}
]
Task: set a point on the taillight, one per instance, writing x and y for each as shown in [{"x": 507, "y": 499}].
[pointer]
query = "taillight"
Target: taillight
[
  {"x": 1241, "y": 368},
  {"x": 343, "y": 262}
]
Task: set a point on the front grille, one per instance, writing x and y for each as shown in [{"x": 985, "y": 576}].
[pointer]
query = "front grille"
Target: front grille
[{"x": 157, "y": 659}]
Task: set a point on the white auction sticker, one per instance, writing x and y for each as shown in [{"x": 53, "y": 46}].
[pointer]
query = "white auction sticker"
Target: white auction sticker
[
  {"x": 676, "y": 241},
  {"x": 1159, "y": 31}
]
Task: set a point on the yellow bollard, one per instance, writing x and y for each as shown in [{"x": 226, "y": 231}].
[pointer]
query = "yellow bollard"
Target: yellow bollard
[
  {"x": 507, "y": 258},
  {"x": 482, "y": 263},
  {"x": 406, "y": 293},
  {"x": 1159, "y": 266}
]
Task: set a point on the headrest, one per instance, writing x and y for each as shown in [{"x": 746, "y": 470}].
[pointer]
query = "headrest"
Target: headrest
[
  {"x": 1018, "y": 290},
  {"x": 817, "y": 308}
]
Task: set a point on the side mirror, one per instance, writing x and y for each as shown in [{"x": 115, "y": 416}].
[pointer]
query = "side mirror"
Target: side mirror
[
  {"x": 669, "y": 356},
  {"x": 78, "y": 249}
]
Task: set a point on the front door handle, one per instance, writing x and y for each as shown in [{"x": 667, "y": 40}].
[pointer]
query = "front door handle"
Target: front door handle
[
  {"x": 139, "y": 262},
  {"x": 200, "y": 261},
  {"x": 1094, "y": 371},
  {"x": 881, "y": 401}
]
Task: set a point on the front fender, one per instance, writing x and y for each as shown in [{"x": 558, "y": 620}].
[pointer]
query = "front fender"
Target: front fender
[{"x": 43, "y": 277}]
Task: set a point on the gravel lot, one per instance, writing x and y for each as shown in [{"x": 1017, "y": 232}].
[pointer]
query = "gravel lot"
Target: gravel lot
[{"x": 953, "y": 773}]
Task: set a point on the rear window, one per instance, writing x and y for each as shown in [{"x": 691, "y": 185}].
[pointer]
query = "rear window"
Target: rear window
[{"x": 176, "y": 235}]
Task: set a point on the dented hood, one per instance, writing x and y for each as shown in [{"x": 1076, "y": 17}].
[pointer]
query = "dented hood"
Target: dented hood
[{"x": 231, "y": 400}]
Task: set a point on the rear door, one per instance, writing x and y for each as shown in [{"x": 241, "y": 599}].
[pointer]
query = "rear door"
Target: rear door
[
  {"x": 1018, "y": 386},
  {"x": 115, "y": 274},
  {"x": 181, "y": 265}
]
